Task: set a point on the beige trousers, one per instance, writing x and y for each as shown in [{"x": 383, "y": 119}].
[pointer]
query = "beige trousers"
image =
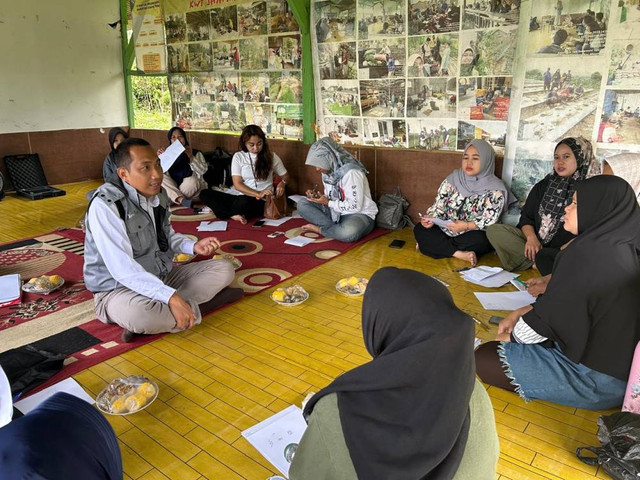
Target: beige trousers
[
  {"x": 190, "y": 187},
  {"x": 196, "y": 283}
]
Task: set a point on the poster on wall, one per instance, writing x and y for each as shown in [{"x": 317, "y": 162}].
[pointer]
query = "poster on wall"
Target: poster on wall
[
  {"x": 534, "y": 161},
  {"x": 148, "y": 36},
  {"x": 233, "y": 63},
  {"x": 624, "y": 65},
  {"x": 620, "y": 118}
]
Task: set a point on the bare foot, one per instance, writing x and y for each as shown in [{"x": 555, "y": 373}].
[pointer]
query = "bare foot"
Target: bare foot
[
  {"x": 310, "y": 227},
  {"x": 239, "y": 218},
  {"x": 466, "y": 256}
]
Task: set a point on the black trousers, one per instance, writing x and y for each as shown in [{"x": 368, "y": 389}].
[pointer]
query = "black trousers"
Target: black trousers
[
  {"x": 434, "y": 243},
  {"x": 226, "y": 206}
]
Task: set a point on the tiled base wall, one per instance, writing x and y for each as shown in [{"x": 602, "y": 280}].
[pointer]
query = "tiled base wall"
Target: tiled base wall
[{"x": 76, "y": 155}]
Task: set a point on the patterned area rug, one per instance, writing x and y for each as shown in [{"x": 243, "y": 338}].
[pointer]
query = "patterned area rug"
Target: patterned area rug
[{"x": 265, "y": 263}]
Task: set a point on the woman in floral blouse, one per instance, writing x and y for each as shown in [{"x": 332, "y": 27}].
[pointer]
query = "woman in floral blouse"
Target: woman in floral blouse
[{"x": 470, "y": 199}]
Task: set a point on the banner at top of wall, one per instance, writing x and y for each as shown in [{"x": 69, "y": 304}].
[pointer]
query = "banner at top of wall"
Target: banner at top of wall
[
  {"x": 148, "y": 36},
  {"x": 182, "y": 6}
]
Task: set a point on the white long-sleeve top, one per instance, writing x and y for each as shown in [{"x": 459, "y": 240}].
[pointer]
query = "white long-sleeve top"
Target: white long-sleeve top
[
  {"x": 113, "y": 244},
  {"x": 355, "y": 196}
]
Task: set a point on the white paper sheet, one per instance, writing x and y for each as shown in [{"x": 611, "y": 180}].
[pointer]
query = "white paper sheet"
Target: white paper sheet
[
  {"x": 494, "y": 281},
  {"x": 440, "y": 223},
  {"x": 169, "y": 156},
  {"x": 299, "y": 241},
  {"x": 296, "y": 198},
  {"x": 232, "y": 191},
  {"x": 480, "y": 273},
  {"x": 504, "y": 300},
  {"x": 275, "y": 223},
  {"x": 219, "y": 226},
  {"x": 9, "y": 287},
  {"x": 519, "y": 284},
  {"x": 68, "y": 385},
  {"x": 476, "y": 343},
  {"x": 271, "y": 436}
]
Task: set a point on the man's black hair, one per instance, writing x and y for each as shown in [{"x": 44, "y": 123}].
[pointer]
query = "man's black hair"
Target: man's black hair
[{"x": 123, "y": 152}]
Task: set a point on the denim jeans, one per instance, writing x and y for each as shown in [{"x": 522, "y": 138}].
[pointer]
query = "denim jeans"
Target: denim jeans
[{"x": 350, "y": 228}]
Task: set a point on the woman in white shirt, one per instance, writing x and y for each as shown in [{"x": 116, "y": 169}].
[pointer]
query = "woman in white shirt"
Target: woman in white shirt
[
  {"x": 345, "y": 211},
  {"x": 252, "y": 170}
]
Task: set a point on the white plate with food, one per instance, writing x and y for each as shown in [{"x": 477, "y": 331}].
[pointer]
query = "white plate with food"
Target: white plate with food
[
  {"x": 127, "y": 395},
  {"x": 352, "y": 286},
  {"x": 289, "y": 296},
  {"x": 43, "y": 285},
  {"x": 182, "y": 258},
  {"x": 225, "y": 256}
]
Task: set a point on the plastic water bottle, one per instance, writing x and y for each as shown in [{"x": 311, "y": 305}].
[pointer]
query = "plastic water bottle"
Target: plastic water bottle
[{"x": 632, "y": 396}]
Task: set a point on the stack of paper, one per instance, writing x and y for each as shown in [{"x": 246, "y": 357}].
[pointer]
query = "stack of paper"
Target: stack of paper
[
  {"x": 220, "y": 226},
  {"x": 10, "y": 289},
  {"x": 299, "y": 241},
  {"x": 170, "y": 155},
  {"x": 504, "y": 300},
  {"x": 490, "y": 277},
  {"x": 68, "y": 385},
  {"x": 275, "y": 223}
]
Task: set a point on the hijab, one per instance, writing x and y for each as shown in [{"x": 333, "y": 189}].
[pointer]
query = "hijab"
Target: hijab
[
  {"x": 328, "y": 155},
  {"x": 184, "y": 134},
  {"x": 560, "y": 189},
  {"x": 486, "y": 180},
  {"x": 591, "y": 308},
  {"x": 627, "y": 166},
  {"x": 113, "y": 133},
  {"x": 405, "y": 414}
]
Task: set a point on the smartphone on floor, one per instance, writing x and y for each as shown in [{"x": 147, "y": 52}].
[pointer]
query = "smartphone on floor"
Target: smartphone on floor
[
  {"x": 397, "y": 244},
  {"x": 495, "y": 319},
  {"x": 258, "y": 223}
]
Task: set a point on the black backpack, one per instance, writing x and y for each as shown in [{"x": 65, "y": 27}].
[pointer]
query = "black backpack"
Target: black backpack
[
  {"x": 1, "y": 186},
  {"x": 219, "y": 173}
]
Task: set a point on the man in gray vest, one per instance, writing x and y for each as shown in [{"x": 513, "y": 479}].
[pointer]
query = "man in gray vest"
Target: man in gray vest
[{"x": 129, "y": 249}]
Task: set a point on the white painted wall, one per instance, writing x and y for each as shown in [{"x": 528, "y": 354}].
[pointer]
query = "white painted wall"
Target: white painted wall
[{"x": 60, "y": 65}]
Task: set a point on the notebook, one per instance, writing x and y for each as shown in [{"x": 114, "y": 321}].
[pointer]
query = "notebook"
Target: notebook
[{"x": 10, "y": 289}]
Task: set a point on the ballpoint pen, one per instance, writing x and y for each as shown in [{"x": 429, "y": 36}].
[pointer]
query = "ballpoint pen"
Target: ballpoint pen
[{"x": 482, "y": 324}]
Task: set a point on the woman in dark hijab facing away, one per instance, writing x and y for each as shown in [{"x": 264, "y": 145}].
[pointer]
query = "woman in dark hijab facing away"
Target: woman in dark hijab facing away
[
  {"x": 116, "y": 135},
  {"x": 574, "y": 346},
  {"x": 415, "y": 411}
]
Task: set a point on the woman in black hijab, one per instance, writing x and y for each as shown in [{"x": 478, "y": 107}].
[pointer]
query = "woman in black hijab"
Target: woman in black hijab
[
  {"x": 415, "y": 411},
  {"x": 574, "y": 346},
  {"x": 116, "y": 135}
]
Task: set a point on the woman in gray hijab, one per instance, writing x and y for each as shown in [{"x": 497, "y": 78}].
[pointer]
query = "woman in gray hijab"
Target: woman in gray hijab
[
  {"x": 468, "y": 200},
  {"x": 346, "y": 211}
]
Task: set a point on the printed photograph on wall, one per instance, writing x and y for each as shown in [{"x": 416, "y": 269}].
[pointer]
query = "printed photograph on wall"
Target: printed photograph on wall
[
  {"x": 624, "y": 69},
  {"x": 431, "y": 97},
  {"x": 182, "y": 115},
  {"x": 340, "y": 97},
  {"x": 288, "y": 120},
  {"x": 225, "y": 87},
  {"x": 627, "y": 14},
  {"x": 433, "y": 16},
  {"x": 252, "y": 18},
  {"x": 255, "y": 87},
  {"x": 260, "y": 114},
  {"x": 382, "y": 98},
  {"x": 484, "y": 98},
  {"x": 487, "y": 52},
  {"x": 344, "y": 130},
  {"x": 175, "y": 28},
  {"x": 384, "y": 132},
  {"x": 284, "y": 52},
  {"x": 281, "y": 17},
  {"x": 202, "y": 115},
  {"x": 202, "y": 89},
  {"x": 489, "y": 13},
  {"x": 620, "y": 119},
  {"x": 335, "y": 20},
  {"x": 200, "y": 57},
  {"x": 198, "y": 24},
  {"x": 253, "y": 53},
  {"x": 381, "y": 58},
  {"x": 285, "y": 87},
  {"x": 228, "y": 117},
  {"x": 224, "y": 22},
  {"x": 337, "y": 61},
  {"x": 568, "y": 27},
  {"x": 493, "y": 132},
  {"x": 178, "y": 58},
  {"x": 427, "y": 134},
  {"x": 225, "y": 55},
  {"x": 180, "y": 88},
  {"x": 381, "y": 18},
  {"x": 432, "y": 56},
  {"x": 559, "y": 99},
  {"x": 534, "y": 161}
]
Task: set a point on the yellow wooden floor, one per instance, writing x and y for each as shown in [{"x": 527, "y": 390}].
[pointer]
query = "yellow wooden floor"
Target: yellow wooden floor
[{"x": 254, "y": 358}]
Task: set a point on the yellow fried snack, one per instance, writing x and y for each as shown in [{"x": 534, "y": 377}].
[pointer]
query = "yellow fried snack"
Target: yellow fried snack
[
  {"x": 182, "y": 257},
  {"x": 353, "y": 281},
  {"x": 278, "y": 295},
  {"x": 55, "y": 279},
  {"x": 343, "y": 282},
  {"x": 118, "y": 406},
  {"x": 146, "y": 390},
  {"x": 134, "y": 402},
  {"x": 33, "y": 280}
]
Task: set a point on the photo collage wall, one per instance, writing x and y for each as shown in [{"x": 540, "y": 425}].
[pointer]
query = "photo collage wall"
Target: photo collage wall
[
  {"x": 422, "y": 74},
  {"x": 581, "y": 77},
  {"x": 235, "y": 64}
]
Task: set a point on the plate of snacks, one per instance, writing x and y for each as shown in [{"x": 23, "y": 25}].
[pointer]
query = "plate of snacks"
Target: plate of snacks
[
  {"x": 289, "y": 296},
  {"x": 225, "y": 256},
  {"x": 180, "y": 258},
  {"x": 43, "y": 285},
  {"x": 352, "y": 286},
  {"x": 127, "y": 395}
]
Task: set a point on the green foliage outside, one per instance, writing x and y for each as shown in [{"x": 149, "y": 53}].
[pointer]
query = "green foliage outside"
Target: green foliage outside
[{"x": 151, "y": 102}]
